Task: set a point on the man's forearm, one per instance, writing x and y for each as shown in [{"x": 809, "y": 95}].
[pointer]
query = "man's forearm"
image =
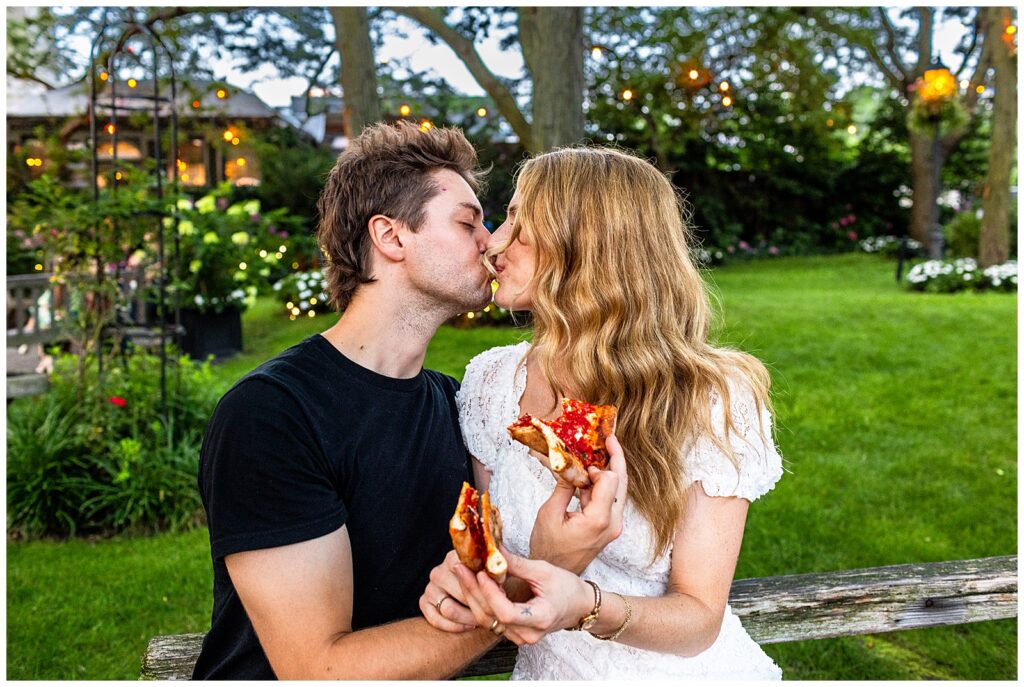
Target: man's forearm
[{"x": 404, "y": 650}]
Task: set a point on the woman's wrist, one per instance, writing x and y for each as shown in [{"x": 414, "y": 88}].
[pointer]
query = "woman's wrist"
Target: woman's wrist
[{"x": 612, "y": 617}]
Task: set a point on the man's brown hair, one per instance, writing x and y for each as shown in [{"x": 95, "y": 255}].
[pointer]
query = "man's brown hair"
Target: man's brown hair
[{"x": 385, "y": 170}]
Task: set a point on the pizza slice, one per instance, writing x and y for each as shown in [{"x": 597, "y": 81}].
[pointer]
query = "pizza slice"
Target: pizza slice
[
  {"x": 572, "y": 442},
  {"x": 476, "y": 533}
]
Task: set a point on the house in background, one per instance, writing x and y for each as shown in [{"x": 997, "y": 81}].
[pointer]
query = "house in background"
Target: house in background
[{"x": 216, "y": 122}]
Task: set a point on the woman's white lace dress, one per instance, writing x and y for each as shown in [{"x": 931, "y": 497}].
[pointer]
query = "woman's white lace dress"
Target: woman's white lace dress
[{"x": 488, "y": 402}]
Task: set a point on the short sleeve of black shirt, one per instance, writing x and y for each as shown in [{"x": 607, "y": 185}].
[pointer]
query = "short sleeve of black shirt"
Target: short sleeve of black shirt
[{"x": 270, "y": 484}]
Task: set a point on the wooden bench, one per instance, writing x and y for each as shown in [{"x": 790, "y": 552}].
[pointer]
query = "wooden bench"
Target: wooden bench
[
  {"x": 780, "y": 609},
  {"x": 27, "y": 328}
]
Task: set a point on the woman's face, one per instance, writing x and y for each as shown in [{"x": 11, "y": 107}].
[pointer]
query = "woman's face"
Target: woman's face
[{"x": 515, "y": 265}]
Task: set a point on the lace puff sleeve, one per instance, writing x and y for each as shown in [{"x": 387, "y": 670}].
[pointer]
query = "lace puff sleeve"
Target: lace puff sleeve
[
  {"x": 479, "y": 403},
  {"x": 759, "y": 461}
]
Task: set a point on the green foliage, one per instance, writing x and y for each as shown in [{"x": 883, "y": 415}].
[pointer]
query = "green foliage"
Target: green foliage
[
  {"x": 96, "y": 457},
  {"x": 229, "y": 252},
  {"x": 963, "y": 234},
  {"x": 962, "y": 274}
]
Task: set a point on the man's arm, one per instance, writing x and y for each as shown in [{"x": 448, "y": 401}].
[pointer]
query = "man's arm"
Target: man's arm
[{"x": 299, "y": 599}]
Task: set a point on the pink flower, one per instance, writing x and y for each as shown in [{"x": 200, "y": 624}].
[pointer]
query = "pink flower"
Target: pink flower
[
  {"x": 222, "y": 203},
  {"x": 852, "y": 218},
  {"x": 744, "y": 245},
  {"x": 773, "y": 250},
  {"x": 844, "y": 221},
  {"x": 852, "y": 235},
  {"x": 118, "y": 401}
]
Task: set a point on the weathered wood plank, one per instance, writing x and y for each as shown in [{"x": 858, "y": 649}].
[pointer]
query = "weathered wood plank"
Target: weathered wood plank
[
  {"x": 897, "y": 597},
  {"x": 781, "y": 609},
  {"x": 27, "y": 385}
]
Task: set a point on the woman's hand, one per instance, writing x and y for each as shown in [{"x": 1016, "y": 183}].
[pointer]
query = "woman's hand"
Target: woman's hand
[
  {"x": 442, "y": 602},
  {"x": 560, "y": 599},
  {"x": 571, "y": 540}
]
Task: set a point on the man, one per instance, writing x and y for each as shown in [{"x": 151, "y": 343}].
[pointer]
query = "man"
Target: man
[{"x": 329, "y": 473}]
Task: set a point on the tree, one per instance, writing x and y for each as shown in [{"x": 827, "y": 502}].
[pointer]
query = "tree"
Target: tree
[
  {"x": 358, "y": 70},
  {"x": 994, "y": 248},
  {"x": 900, "y": 57},
  {"x": 552, "y": 43}
]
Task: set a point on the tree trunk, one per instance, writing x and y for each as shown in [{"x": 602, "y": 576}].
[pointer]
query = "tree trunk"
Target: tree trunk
[
  {"x": 924, "y": 214},
  {"x": 994, "y": 248},
  {"x": 358, "y": 69},
  {"x": 553, "y": 46}
]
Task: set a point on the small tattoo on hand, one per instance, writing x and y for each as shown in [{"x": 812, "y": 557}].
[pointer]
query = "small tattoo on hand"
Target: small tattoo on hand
[{"x": 527, "y": 611}]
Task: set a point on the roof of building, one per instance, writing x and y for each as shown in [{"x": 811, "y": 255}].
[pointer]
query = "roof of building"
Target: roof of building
[{"x": 73, "y": 100}]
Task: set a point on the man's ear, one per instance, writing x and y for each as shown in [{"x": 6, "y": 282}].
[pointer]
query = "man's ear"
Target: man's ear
[{"x": 387, "y": 237}]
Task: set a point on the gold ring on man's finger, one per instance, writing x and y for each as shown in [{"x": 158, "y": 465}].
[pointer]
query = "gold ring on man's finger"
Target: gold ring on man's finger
[
  {"x": 497, "y": 628},
  {"x": 441, "y": 601}
]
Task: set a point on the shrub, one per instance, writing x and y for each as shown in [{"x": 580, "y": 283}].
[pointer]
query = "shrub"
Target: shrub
[
  {"x": 963, "y": 234},
  {"x": 302, "y": 293},
  {"x": 889, "y": 246},
  {"x": 87, "y": 457},
  {"x": 943, "y": 276}
]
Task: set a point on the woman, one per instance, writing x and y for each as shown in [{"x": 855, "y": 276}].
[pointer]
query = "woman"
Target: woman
[{"x": 595, "y": 246}]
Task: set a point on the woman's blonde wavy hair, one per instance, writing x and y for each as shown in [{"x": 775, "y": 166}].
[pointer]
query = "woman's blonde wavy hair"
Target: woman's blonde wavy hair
[{"x": 621, "y": 315}]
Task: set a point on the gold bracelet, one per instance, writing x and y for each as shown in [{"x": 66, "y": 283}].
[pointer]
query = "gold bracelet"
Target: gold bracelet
[{"x": 622, "y": 627}]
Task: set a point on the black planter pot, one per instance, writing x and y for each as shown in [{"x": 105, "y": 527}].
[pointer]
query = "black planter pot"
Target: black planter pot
[{"x": 217, "y": 334}]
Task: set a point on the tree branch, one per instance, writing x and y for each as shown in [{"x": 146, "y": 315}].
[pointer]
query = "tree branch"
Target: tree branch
[
  {"x": 432, "y": 19},
  {"x": 924, "y": 38},
  {"x": 890, "y": 45}
]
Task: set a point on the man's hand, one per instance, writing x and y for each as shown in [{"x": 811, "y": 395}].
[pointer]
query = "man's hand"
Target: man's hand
[
  {"x": 571, "y": 540},
  {"x": 560, "y": 599},
  {"x": 442, "y": 602}
]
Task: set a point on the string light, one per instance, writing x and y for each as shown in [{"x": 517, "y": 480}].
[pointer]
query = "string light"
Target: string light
[
  {"x": 470, "y": 315},
  {"x": 964, "y": 84},
  {"x": 184, "y": 177},
  {"x": 282, "y": 249},
  {"x": 235, "y": 141},
  {"x": 221, "y": 93},
  {"x": 404, "y": 110},
  {"x": 727, "y": 101},
  {"x": 132, "y": 83},
  {"x": 104, "y": 76},
  {"x": 724, "y": 86},
  {"x": 312, "y": 301},
  {"x": 1011, "y": 30},
  {"x": 240, "y": 162},
  {"x": 829, "y": 121},
  {"x": 595, "y": 52},
  {"x": 263, "y": 253},
  {"x": 242, "y": 265},
  {"x": 39, "y": 268},
  {"x": 289, "y": 305},
  {"x": 195, "y": 104},
  {"x": 980, "y": 89},
  {"x": 295, "y": 311},
  {"x": 694, "y": 74},
  {"x": 312, "y": 313},
  {"x": 627, "y": 94},
  {"x": 482, "y": 112},
  {"x": 426, "y": 125},
  {"x": 852, "y": 129},
  {"x": 118, "y": 176},
  {"x": 111, "y": 129},
  {"x": 228, "y": 134}
]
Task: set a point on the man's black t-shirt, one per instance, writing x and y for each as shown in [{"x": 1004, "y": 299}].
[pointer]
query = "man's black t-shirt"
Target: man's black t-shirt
[{"x": 311, "y": 441}]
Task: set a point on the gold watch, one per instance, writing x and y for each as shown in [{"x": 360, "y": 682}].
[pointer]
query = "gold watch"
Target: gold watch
[{"x": 587, "y": 621}]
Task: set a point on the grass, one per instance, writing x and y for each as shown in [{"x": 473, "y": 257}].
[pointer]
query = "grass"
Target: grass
[{"x": 897, "y": 418}]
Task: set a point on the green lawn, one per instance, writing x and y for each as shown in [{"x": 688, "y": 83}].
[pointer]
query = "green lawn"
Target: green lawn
[{"x": 897, "y": 418}]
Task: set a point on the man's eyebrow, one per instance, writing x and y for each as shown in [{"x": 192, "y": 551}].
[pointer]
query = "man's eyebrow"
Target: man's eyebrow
[{"x": 475, "y": 209}]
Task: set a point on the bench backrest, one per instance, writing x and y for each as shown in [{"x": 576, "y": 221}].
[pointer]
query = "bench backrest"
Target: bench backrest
[{"x": 780, "y": 609}]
